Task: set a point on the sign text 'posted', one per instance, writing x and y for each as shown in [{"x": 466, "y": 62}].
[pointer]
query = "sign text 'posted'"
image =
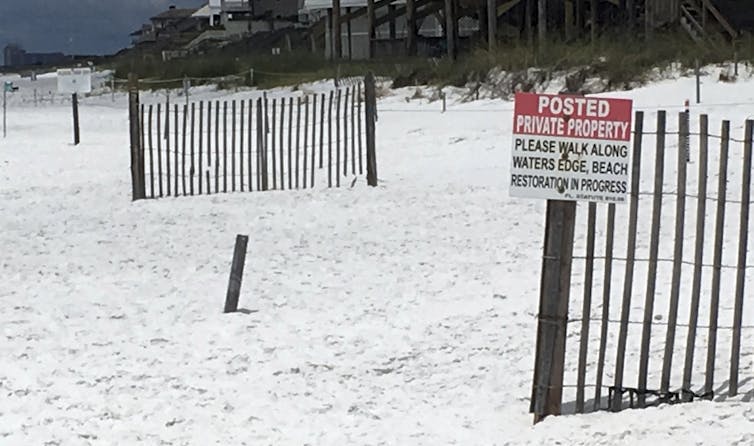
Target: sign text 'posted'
[{"x": 571, "y": 148}]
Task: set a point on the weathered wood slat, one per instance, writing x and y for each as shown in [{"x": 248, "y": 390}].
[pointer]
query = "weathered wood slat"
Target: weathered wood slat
[
  {"x": 675, "y": 290},
  {"x": 606, "y": 294},
  {"x": 233, "y": 146},
  {"x": 250, "y": 146},
  {"x": 159, "y": 150},
  {"x": 151, "y": 156},
  {"x": 353, "y": 130},
  {"x": 183, "y": 149},
  {"x": 337, "y": 141},
  {"x": 630, "y": 258},
  {"x": 168, "y": 169},
  {"x": 201, "y": 144},
  {"x": 329, "y": 140},
  {"x": 361, "y": 118},
  {"x": 217, "y": 146},
  {"x": 225, "y": 146},
  {"x": 654, "y": 246},
  {"x": 240, "y": 143},
  {"x": 298, "y": 138},
  {"x": 306, "y": 140},
  {"x": 345, "y": 132},
  {"x": 717, "y": 260},
  {"x": 290, "y": 143},
  {"x": 177, "y": 150},
  {"x": 274, "y": 145},
  {"x": 696, "y": 287},
  {"x": 586, "y": 311},
  {"x": 743, "y": 245},
  {"x": 192, "y": 166}
]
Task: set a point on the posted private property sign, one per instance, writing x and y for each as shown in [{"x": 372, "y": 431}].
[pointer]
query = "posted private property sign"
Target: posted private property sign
[{"x": 571, "y": 148}]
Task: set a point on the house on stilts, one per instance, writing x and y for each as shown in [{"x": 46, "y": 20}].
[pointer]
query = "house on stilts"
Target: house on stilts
[{"x": 364, "y": 29}]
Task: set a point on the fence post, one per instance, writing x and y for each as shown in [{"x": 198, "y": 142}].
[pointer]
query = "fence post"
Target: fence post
[
  {"x": 236, "y": 274},
  {"x": 75, "y": 107},
  {"x": 696, "y": 287},
  {"x": 587, "y": 306},
  {"x": 261, "y": 183},
  {"x": 743, "y": 239},
  {"x": 628, "y": 281},
  {"x": 654, "y": 246},
  {"x": 555, "y": 289},
  {"x": 370, "y": 96},
  {"x": 680, "y": 218},
  {"x": 684, "y": 135},
  {"x": 717, "y": 260},
  {"x": 606, "y": 293},
  {"x": 137, "y": 165}
]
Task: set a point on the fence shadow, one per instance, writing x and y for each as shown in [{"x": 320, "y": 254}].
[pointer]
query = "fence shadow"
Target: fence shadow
[{"x": 720, "y": 396}]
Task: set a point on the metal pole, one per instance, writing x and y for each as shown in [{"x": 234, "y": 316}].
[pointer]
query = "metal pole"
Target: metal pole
[
  {"x": 698, "y": 83},
  {"x": 5, "y": 110}
]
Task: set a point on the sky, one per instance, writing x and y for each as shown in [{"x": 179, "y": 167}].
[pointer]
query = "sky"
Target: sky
[{"x": 77, "y": 26}]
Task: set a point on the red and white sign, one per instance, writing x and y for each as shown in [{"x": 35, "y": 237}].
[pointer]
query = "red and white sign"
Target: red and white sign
[{"x": 571, "y": 148}]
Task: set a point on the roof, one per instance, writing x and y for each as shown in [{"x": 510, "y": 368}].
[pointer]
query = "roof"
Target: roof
[
  {"x": 142, "y": 30},
  {"x": 204, "y": 11},
  {"x": 175, "y": 13},
  {"x": 313, "y": 5}
]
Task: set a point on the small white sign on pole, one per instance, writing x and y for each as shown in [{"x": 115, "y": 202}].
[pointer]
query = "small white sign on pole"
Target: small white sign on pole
[
  {"x": 571, "y": 148},
  {"x": 76, "y": 80}
]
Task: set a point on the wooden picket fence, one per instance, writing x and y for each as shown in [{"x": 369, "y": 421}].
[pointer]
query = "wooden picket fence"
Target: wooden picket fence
[
  {"x": 261, "y": 144},
  {"x": 637, "y": 314}
]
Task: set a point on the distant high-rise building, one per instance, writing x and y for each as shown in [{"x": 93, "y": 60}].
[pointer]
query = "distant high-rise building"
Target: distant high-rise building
[{"x": 15, "y": 56}]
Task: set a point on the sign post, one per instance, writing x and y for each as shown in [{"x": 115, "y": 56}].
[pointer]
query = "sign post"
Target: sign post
[
  {"x": 5, "y": 110},
  {"x": 8, "y": 87},
  {"x": 73, "y": 82},
  {"x": 565, "y": 149},
  {"x": 186, "y": 88}
]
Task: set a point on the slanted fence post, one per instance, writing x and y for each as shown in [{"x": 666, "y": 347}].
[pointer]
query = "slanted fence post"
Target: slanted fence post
[
  {"x": 717, "y": 261},
  {"x": 370, "y": 96},
  {"x": 587, "y": 306},
  {"x": 236, "y": 274},
  {"x": 743, "y": 240},
  {"x": 696, "y": 287},
  {"x": 137, "y": 158}
]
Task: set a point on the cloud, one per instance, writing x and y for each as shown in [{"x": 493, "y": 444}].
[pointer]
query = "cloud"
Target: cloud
[{"x": 77, "y": 26}]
